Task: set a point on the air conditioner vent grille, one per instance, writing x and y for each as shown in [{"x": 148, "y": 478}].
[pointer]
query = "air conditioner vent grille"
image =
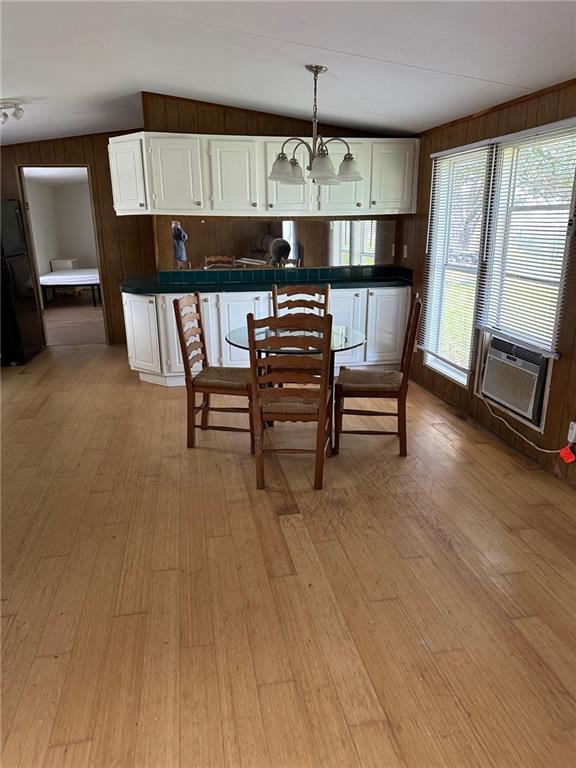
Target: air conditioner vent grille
[{"x": 514, "y": 386}]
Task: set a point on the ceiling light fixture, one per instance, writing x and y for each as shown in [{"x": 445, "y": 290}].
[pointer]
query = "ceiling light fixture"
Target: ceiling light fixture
[
  {"x": 321, "y": 169},
  {"x": 7, "y": 106}
]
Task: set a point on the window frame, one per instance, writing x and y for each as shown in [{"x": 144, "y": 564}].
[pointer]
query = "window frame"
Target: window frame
[{"x": 447, "y": 368}]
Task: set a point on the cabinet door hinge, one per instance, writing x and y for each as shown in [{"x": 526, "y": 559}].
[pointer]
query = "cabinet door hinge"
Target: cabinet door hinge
[
  {"x": 209, "y": 153},
  {"x": 153, "y": 196},
  {"x": 163, "y": 305},
  {"x": 220, "y": 360},
  {"x": 211, "y": 198}
]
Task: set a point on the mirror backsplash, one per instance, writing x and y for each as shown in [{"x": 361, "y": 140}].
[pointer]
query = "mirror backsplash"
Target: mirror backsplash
[{"x": 194, "y": 243}]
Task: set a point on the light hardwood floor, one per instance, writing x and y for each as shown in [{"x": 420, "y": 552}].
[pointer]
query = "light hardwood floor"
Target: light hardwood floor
[
  {"x": 160, "y": 611},
  {"x": 74, "y": 320}
]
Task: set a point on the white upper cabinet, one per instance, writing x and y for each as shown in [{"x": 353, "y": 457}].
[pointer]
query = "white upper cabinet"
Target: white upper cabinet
[
  {"x": 127, "y": 173},
  {"x": 186, "y": 174},
  {"x": 349, "y": 196},
  {"x": 289, "y": 198},
  {"x": 393, "y": 176},
  {"x": 234, "y": 171},
  {"x": 175, "y": 174}
]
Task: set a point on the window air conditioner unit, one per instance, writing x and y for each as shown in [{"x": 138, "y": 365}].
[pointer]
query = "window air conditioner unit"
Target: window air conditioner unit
[{"x": 515, "y": 377}]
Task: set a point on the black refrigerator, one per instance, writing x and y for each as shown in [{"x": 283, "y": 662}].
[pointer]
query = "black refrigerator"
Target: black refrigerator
[{"x": 22, "y": 328}]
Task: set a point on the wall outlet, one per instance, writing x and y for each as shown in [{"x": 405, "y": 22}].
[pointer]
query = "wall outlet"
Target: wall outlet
[{"x": 572, "y": 432}]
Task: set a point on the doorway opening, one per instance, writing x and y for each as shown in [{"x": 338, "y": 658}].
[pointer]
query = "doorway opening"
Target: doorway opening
[{"x": 61, "y": 222}]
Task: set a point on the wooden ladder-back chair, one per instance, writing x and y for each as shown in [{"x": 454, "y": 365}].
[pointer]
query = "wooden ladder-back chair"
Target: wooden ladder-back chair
[
  {"x": 391, "y": 385},
  {"x": 209, "y": 380},
  {"x": 291, "y": 387},
  {"x": 305, "y": 297}
]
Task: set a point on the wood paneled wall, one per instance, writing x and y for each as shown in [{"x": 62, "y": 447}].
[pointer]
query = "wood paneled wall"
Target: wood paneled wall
[
  {"x": 125, "y": 243},
  {"x": 175, "y": 114},
  {"x": 540, "y": 108}
]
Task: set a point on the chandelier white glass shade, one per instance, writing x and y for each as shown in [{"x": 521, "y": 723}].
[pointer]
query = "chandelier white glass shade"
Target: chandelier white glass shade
[
  {"x": 287, "y": 170},
  {"x": 10, "y": 109}
]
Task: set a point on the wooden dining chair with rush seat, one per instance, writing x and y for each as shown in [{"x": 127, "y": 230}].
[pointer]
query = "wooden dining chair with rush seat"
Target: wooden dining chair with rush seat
[
  {"x": 293, "y": 382},
  {"x": 297, "y": 298},
  {"x": 389, "y": 385},
  {"x": 209, "y": 380}
]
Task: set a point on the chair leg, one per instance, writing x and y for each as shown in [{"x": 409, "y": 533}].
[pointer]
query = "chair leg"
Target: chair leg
[
  {"x": 259, "y": 449},
  {"x": 320, "y": 453},
  {"x": 338, "y": 416},
  {"x": 402, "y": 426},
  {"x": 191, "y": 420},
  {"x": 205, "y": 411},
  {"x": 251, "y": 419}
]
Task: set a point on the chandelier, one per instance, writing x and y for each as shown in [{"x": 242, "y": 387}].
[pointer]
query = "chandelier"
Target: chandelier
[
  {"x": 13, "y": 106},
  {"x": 321, "y": 169}
]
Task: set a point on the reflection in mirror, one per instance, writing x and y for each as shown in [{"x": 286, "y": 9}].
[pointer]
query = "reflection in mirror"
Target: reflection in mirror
[{"x": 220, "y": 243}]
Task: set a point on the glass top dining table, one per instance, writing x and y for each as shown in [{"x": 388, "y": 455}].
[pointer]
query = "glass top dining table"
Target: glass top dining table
[{"x": 343, "y": 338}]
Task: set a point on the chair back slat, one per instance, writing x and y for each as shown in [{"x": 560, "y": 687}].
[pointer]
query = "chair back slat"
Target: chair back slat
[
  {"x": 305, "y": 377},
  {"x": 313, "y": 297},
  {"x": 190, "y": 333},
  {"x": 306, "y": 322},
  {"x": 289, "y": 376},
  {"x": 410, "y": 338},
  {"x": 309, "y": 342}
]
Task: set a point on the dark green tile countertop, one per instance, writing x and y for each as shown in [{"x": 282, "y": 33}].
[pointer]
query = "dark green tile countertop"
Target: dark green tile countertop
[{"x": 251, "y": 280}]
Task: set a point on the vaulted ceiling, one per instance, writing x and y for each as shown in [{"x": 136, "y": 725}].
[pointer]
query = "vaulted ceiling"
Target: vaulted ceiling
[{"x": 397, "y": 67}]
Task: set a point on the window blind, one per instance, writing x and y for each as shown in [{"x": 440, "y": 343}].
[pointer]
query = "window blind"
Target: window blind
[
  {"x": 460, "y": 190},
  {"x": 527, "y": 221},
  {"x": 352, "y": 242}
]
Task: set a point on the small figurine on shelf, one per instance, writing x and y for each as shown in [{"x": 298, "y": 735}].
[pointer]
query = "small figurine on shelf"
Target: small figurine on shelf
[{"x": 179, "y": 238}]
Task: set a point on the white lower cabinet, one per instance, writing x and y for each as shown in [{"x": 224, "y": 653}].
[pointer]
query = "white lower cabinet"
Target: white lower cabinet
[
  {"x": 387, "y": 314},
  {"x": 348, "y": 307},
  {"x": 233, "y": 310},
  {"x": 141, "y": 332},
  {"x": 154, "y": 350},
  {"x": 170, "y": 354}
]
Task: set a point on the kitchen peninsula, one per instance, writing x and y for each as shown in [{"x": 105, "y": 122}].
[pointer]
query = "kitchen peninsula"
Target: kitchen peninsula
[{"x": 372, "y": 299}]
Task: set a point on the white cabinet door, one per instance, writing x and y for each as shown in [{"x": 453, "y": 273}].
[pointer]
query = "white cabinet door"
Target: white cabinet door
[
  {"x": 176, "y": 177},
  {"x": 127, "y": 173},
  {"x": 386, "y": 326},
  {"x": 348, "y": 307},
  {"x": 289, "y": 198},
  {"x": 170, "y": 353},
  {"x": 233, "y": 310},
  {"x": 393, "y": 188},
  {"x": 348, "y": 197},
  {"x": 141, "y": 332},
  {"x": 234, "y": 169}
]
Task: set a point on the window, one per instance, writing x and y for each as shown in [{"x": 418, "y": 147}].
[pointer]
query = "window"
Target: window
[
  {"x": 352, "y": 242},
  {"x": 459, "y": 189},
  {"x": 499, "y": 217},
  {"x": 528, "y": 221}
]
